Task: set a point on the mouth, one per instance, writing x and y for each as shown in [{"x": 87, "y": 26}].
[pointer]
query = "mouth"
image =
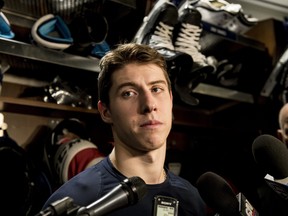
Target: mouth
[{"x": 152, "y": 123}]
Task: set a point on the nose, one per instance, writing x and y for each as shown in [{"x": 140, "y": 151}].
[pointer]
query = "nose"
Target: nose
[
  {"x": 148, "y": 103},
  {"x": 149, "y": 109}
]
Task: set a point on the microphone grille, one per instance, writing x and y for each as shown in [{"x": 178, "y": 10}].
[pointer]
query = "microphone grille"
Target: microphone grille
[{"x": 138, "y": 188}]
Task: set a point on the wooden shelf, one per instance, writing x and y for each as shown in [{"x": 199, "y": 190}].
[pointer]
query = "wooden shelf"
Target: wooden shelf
[{"x": 27, "y": 106}]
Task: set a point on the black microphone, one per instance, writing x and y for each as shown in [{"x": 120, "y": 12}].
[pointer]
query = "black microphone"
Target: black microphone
[
  {"x": 272, "y": 156},
  {"x": 128, "y": 192},
  {"x": 218, "y": 194},
  {"x": 64, "y": 206}
]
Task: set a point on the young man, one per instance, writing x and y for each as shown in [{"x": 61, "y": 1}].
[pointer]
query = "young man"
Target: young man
[{"x": 135, "y": 98}]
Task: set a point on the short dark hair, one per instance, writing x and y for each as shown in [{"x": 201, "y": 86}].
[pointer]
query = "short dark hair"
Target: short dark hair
[{"x": 122, "y": 55}]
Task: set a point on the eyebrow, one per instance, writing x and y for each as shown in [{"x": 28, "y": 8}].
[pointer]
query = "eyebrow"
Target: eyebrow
[{"x": 134, "y": 84}]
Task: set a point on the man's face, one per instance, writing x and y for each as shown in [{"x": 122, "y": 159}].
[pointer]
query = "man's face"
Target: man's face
[{"x": 140, "y": 109}]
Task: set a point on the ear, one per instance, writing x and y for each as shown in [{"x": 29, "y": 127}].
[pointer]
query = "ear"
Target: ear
[
  {"x": 104, "y": 112},
  {"x": 279, "y": 134}
]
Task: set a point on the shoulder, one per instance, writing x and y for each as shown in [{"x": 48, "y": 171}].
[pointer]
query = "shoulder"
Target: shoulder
[{"x": 87, "y": 186}]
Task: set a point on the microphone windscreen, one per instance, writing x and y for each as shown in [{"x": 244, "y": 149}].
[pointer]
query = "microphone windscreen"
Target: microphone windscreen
[
  {"x": 272, "y": 155},
  {"x": 218, "y": 194},
  {"x": 137, "y": 188}
]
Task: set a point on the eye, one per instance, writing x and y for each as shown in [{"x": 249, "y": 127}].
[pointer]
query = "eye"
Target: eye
[
  {"x": 157, "y": 89},
  {"x": 127, "y": 94}
]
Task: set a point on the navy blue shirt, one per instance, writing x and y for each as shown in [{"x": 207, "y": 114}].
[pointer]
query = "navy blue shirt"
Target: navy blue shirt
[{"x": 96, "y": 181}]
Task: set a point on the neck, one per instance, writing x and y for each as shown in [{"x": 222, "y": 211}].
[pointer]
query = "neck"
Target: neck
[{"x": 151, "y": 171}]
